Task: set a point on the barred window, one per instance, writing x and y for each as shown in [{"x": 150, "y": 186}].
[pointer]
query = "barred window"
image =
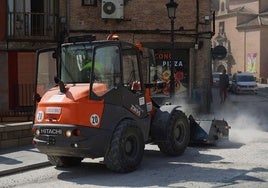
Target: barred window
[
  {"x": 89, "y": 2},
  {"x": 32, "y": 18}
]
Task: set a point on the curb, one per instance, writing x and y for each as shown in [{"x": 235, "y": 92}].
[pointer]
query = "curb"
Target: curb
[{"x": 24, "y": 168}]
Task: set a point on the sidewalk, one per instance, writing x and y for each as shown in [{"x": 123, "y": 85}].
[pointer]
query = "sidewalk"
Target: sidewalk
[{"x": 20, "y": 159}]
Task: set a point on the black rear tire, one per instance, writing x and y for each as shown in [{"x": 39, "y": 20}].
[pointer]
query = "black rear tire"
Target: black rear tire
[
  {"x": 126, "y": 149},
  {"x": 178, "y": 135},
  {"x": 62, "y": 161}
]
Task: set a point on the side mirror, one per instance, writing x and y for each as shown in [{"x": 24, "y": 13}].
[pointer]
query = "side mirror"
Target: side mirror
[
  {"x": 37, "y": 97},
  {"x": 60, "y": 84},
  {"x": 55, "y": 55}
]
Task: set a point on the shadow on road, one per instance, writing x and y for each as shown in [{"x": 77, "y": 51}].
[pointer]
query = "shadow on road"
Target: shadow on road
[{"x": 174, "y": 171}]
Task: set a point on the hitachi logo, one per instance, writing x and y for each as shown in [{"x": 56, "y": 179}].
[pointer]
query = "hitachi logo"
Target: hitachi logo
[{"x": 51, "y": 131}]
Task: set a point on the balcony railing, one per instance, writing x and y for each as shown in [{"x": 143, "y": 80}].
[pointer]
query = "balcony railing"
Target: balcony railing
[
  {"x": 24, "y": 95},
  {"x": 40, "y": 26},
  {"x": 23, "y": 104}
]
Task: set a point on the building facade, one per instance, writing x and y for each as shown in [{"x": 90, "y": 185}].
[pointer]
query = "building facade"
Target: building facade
[
  {"x": 31, "y": 25},
  {"x": 242, "y": 27}
]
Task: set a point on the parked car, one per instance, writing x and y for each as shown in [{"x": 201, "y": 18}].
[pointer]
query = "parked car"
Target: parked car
[
  {"x": 244, "y": 82},
  {"x": 216, "y": 78}
]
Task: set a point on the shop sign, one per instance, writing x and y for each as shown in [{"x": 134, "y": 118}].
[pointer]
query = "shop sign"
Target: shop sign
[{"x": 160, "y": 70}]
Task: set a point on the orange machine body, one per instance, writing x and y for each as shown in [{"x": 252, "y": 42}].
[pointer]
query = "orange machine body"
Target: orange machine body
[{"x": 74, "y": 107}]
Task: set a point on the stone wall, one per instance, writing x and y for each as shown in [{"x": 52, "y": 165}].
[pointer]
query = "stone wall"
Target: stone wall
[{"x": 15, "y": 134}]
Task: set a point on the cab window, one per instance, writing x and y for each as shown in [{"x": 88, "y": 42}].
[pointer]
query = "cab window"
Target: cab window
[
  {"x": 106, "y": 72},
  {"x": 131, "y": 76}
]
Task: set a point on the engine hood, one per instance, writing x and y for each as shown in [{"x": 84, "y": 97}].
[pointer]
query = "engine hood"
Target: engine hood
[{"x": 73, "y": 93}]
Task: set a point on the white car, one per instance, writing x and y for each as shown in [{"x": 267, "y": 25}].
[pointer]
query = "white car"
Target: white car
[{"x": 244, "y": 82}]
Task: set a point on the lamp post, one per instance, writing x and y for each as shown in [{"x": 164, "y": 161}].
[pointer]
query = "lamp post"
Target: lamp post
[{"x": 171, "y": 8}]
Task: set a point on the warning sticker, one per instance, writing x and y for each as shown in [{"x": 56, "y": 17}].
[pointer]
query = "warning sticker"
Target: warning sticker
[
  {"x": 141, "y": 101},
  {"x": 56, "y": 98}
]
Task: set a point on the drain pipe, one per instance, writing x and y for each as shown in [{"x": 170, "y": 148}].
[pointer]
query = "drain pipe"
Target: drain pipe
[
  {"x": 67, "y": 17},
  {"x": 196, "y": 42}
]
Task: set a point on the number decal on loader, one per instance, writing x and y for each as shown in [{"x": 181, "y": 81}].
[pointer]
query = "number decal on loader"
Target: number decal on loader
[
  {"x": 94, "y": 119},
  {"x": 40, "y": 116}
]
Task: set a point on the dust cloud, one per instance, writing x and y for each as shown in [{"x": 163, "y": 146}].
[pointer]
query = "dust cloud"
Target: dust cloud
[
  {"x": 248, "y": 121},
  {"x": 245, "y": 129},
  {"x": 246, "y": 124}
]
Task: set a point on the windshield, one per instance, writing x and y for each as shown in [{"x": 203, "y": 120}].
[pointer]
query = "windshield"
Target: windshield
[
  {"x": 76, "y": 63},
  {"x": 245, "y": 78},
  {"x": 217, "y": 76},
  {"x": 79, "y": 61}
]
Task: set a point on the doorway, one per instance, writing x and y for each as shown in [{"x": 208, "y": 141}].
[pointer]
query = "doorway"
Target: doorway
[{"x": 37, "y": 10}]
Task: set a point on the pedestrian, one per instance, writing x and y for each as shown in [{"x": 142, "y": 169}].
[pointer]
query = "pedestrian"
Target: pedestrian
[{"x": 223, "y": 85}]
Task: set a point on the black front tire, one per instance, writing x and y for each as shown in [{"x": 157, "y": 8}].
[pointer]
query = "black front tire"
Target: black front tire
[
  {"x": 62, "y": 161},
  {"x": 178, "y": 135},
  {"x": 126, "y": 149}
]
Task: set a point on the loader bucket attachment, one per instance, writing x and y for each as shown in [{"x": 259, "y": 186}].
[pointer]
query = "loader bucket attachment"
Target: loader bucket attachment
[{"x": 208, "y": 131}]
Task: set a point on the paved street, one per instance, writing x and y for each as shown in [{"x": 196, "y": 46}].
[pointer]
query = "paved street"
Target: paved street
[{"x": 242, "y": 162}]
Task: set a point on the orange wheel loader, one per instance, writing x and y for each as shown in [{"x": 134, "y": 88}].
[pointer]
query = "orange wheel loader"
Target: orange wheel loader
[{"x": 91, "y": 102}]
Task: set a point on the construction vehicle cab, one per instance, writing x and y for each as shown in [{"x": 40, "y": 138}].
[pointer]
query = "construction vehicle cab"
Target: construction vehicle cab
[{"x": 91, "y": 101}]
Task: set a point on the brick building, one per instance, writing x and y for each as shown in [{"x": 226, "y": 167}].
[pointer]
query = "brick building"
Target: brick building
[
  {"x": 242, "y": 27},
  {"x": 31, "y": 25}
]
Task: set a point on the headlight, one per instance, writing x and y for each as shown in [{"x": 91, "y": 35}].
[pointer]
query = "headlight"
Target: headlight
[
  {"x": 75, "y": 132},
  {"x": 68, "y": 133},
  {"x": 37, "y": 132}
]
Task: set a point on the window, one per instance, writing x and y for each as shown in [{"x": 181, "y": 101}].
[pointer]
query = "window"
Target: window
[
  {"x": 221, "y": 28},
  {"x": 46, "y": 71},
  {"x": 89, "y": 2},
  {"x": 106, "y": 67},
  {"x": 76, "y": 63},
  {"x": 222, "y": 7},
  {"x": 32, "y": 18},
  {"x": 131, "y": 75}
]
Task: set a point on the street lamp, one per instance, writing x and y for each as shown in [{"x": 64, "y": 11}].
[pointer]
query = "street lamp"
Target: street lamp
[{"x": 171, "y": 8}]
